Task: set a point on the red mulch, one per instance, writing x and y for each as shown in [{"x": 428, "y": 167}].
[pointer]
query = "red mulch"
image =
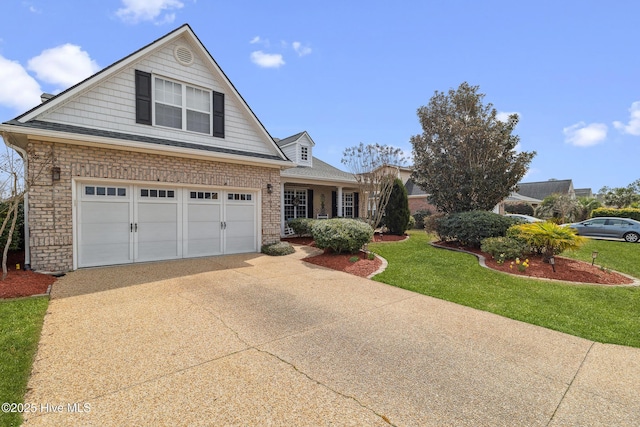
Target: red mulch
[
  {"x": 566, "y": 269},
  {"x": 21, "y": 283},
  {"x": 363, "y": 267},
  {"x": 341, "y": 262}
]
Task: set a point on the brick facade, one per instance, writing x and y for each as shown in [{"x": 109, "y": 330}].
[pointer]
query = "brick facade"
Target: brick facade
[{"x": 51, "y": 205}]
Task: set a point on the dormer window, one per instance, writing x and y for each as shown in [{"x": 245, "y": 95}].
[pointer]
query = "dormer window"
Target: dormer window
[
  {"x": 304, "y": 153},
  {"x": 178, "y": 105}
]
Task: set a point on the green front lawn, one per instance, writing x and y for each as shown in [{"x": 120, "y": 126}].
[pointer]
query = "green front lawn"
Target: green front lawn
[
  {"x": 598, "y": 313},
  {"x": 20, "y": 326}
]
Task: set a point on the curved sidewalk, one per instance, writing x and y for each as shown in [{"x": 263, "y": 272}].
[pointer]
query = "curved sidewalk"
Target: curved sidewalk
[{"x": 256, "y": 340}]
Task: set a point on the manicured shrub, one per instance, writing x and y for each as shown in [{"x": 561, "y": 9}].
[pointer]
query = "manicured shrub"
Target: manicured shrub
[
  {"x": 412, "y": 223},
  {"x": 341, "y": 235},
  {"x": 396, "y": 213},
  {"x": 519, "y": 208},
  {"x": 504, "y": 247},
  {"x": 471, "y": 228},
  {"x": 547, "y": 238},
  {"x": 301, "y": 226},
  {"x": 621, "y": 213},
  {"x": 278, "y": 249},
  {"x": 419, "y": 216}
]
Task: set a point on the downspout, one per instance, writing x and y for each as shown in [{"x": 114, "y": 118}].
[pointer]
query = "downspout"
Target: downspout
[{"x": 23, "y": 154}]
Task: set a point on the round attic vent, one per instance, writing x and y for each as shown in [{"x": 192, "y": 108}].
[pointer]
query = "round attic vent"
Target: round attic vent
[{"x": 183, "y": 55}]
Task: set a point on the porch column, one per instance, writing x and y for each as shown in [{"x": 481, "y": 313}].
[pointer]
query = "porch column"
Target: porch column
[
  {"x": 282, "y": 208},
  {"x": 339, "y": 201}
]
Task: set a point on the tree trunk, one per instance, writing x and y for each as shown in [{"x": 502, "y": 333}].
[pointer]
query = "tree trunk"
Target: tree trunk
[{"x": 14, "y": 212}]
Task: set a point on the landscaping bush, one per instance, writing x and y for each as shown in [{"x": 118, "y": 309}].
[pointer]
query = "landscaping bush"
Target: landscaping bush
[
  {"x": 17, "y": 240},
  {"x": 301, "y": 226},
  {"x": 278, "y": 249},
  {"x": 420, "y": 216},
  {"x": 547, "y": 238},
  {"x": 341, "y": 235},
  {"x": 621, "y": 213},
  {"x": 396, "y": 213},
  {"x": 519, "y": 208},
  {"x": 431, "y": 222},
  {"x": 412, "y": 223},
  {"x": 504, "y": 247},
  {"x": 471, "y": 228}
]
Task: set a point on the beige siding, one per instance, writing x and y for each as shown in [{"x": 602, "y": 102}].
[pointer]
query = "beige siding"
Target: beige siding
[
  {"x": 111, "y": 104},
  {"x": 51, "y": 204}
]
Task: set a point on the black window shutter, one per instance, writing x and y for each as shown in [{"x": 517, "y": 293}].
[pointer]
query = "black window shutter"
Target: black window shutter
[
  {"x": 218, "y": 114},
  {"x": 356, "y": 205},
  {"x": 334, "y": 204},
  {"x": 309, "y": 203},
  {"x": 143, "y": 97}
]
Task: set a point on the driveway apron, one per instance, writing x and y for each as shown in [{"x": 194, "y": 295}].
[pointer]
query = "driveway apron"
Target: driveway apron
[{"x": 257, "y": 340}]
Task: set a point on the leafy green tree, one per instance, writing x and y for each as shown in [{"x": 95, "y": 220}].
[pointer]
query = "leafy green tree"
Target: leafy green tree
[
  {"x": 397, "y": 214},
  {"x": 466, "y": 158},
  {"x": 621, "y": 197}
]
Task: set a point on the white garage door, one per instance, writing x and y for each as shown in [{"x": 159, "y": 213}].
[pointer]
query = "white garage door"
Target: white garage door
[{"x": 119, "y": 224}]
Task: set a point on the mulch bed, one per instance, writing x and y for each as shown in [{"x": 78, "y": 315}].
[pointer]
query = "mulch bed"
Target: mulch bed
[
  {"x": 342, "y": 262},
  {"x": 21, "y": 283},
  {"x": 566, "y": 269}
]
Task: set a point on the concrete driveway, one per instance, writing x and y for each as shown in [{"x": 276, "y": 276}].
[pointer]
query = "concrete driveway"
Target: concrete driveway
[{"x": 256, "y": 340}]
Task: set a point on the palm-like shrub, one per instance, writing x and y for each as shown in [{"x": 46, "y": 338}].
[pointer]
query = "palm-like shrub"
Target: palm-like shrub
[{"x": 547, "y": 238}]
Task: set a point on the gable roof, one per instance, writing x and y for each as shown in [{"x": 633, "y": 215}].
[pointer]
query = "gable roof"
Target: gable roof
[
  {"x": 414, "y": 189},
  {"x": 30, "y": 120},
  {"x": 542, "y": 189},
  {"x": 320, "y": 171},
  {"x": 293, "y": 139}
]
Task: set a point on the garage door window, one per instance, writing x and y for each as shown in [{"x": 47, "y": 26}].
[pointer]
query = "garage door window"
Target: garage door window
[
  {"x": 239, "y": 196},
  {"x": 203, "y": 195},
  {"x": 157, "y": 193},
  {"x": 91, "y": 190}
]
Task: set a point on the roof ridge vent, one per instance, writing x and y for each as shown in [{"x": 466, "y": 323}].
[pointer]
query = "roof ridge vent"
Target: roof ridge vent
[{"x": 183, "y": 55}]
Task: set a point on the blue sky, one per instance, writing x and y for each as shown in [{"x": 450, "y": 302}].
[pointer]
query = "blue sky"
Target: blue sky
[{"x": 354, "y": 71}]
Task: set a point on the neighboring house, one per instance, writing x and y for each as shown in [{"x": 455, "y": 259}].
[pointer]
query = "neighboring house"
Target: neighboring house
[
  {"x": 155, "y": 157},
  {"x": 418, "y": 198},
  {"x": 584, "y": 192},
  {"x": 516, "y": 199},
  {"x": 540, "y": 190},
  {"x": 314, "y": 189}
]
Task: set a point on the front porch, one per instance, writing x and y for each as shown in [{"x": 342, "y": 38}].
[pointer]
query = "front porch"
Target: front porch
[{"x": 300, "y": 200}]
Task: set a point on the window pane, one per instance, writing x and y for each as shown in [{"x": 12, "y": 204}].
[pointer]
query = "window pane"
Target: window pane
[
  {"x": 111, "y": 191},
  {"x": 153, "y": 193},
  {"x": 193, "y": 195},
  {"x": 168, "y": 116},
  {"x": 162, "y": 193},
  {"x": 122, "y": 191},
  {"x": 144, "y": 193},
  {"x": 90, "y": 191},
  {"x": 198, "y": 99},
  {"x": 170, "y": 193},
  {"x": 100, "y": 191},
  {"x": 198, "y": 122}
]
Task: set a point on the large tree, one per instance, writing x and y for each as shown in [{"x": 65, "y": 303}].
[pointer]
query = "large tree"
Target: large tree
[
  {"x": 621, "y": 197},
  {"x": 465, "y": 158}
]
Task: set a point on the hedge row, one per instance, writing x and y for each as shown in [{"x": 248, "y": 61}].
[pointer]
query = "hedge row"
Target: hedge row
[{"x": 621, "y": 213}]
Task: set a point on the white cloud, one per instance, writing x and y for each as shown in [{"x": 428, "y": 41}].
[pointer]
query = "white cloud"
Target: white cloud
[
  {"x": 23, "y": 92},
  {"x": 583, "y": 135},
  {"x": 301, "y": 50},
  {"x": 503, "y": 116},
  {"x": 255, "y": 40},
  {"x": 267, "y": 60},
  {"x": 63, "y": 65},
  {"x": 135, "y": 11},
  {"x": 633, "y": 127}
]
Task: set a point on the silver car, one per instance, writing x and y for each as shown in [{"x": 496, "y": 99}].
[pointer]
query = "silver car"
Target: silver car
[{"x": 619, "y": 228}]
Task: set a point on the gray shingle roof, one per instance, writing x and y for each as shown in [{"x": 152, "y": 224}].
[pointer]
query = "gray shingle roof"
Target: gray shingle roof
[
  {"x": 414, "y": 189},
  {"x": 319, "y": 170},
  {"x": 59, "y": 127},
  {"x": 289, "y": 139},
  {"x": 540, "y": 190}
]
